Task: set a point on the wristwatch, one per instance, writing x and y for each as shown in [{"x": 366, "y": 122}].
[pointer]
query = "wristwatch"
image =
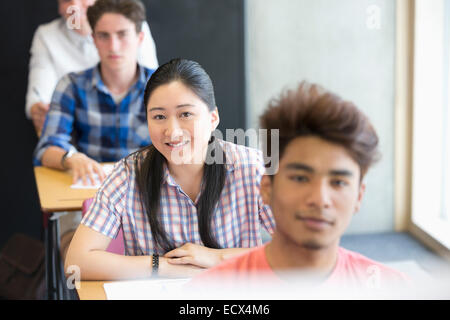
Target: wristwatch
[
  {"x": 155, "y": 265},
  {"x": 66, "y": 156}
]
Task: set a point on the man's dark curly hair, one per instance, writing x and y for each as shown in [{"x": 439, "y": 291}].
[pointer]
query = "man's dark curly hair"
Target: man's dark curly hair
[{"x": 310, "y": 110}]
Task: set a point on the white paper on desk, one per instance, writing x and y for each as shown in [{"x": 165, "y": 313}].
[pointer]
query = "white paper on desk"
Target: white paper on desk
[
  {"x": 107, "y": 168},
  {"x": 146, "y": 289}
]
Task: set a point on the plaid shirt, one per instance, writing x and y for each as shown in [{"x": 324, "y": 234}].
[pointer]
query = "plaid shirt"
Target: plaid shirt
[
  {"x": 83, "y": 109},
  {"x": 236, "y": 222}
]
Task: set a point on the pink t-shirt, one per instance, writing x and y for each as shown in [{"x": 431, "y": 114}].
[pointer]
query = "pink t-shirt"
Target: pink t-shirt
[{"x": 352, "y": 270}]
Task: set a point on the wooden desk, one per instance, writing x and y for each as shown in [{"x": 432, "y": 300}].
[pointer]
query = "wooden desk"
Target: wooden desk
[
  {"x": 91, "y": 290},
  {"x": 56, "y": 195},
  {"x": 138, "y": 289}
]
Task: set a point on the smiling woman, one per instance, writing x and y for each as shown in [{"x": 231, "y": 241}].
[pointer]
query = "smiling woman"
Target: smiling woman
[
  {"x": 180, "y": 214},
  {"x": 180, "y": 123},
  {"x": 182, "y": 115}
]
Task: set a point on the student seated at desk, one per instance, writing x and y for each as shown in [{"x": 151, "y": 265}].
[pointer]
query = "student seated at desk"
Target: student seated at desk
[
  {"x": 326, "y": 147},
  {"x": 186, "y": 202},
  {"x": 65, "y": 45},
  {"x": 102, "y": 106}
]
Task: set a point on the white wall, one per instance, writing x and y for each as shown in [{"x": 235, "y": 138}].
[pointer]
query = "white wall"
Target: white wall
[{"x": 335, "y": 43}]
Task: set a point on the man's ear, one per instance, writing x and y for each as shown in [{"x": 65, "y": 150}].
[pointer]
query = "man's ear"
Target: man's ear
[
  {"x": 94, "y": 39},
  {"x": 266, "y": 189},
  {"x": 362, "y": 190},
  {"x": 141, "y": 36}
]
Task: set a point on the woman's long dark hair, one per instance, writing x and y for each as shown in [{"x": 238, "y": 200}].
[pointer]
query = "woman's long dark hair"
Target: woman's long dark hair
[{"x": 149, "y": 171}]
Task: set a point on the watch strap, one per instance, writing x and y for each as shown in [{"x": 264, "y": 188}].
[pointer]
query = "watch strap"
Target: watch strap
[
  {"x": 155, "y": 265},
  {"x": 67, "y": 155}
]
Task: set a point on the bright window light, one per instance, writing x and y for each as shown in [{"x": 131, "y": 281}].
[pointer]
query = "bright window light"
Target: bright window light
[{"x": 431, "y": 136}]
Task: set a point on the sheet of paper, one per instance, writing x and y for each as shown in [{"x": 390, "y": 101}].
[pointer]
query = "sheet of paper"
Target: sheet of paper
[
  {"x": 79, "y": 185},
  {"x": 410, "y": 268},
  {"x": 153, "y": 289}
]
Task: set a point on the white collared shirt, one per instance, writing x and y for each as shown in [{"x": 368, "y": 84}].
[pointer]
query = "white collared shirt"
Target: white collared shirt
[{"x": 57, "y": 50}]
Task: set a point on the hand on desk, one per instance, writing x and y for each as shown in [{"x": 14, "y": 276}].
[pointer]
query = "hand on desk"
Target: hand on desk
[
  {"x": 194, "y": 254},
  {"x": 170, "y": 270},
  {"x": 85, "y": 168}
]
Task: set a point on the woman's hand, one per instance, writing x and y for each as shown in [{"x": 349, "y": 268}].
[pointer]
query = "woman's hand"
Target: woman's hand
[
  {"x": 195, "y": 255},
  {"x": 173, "y": 270},
  {"x": 84, "y": 167}
]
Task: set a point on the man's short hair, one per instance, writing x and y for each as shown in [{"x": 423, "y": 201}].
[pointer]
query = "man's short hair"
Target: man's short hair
[
  {"x": 133, "y": 10},
  {"x": 310, "y": 110}
]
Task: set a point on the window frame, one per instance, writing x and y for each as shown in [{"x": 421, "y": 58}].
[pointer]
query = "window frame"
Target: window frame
[{"x": 430, "y": 176}]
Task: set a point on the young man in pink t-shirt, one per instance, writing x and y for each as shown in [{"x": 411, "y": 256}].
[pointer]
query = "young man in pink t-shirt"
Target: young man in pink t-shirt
[{"x": 326, "y": 146}]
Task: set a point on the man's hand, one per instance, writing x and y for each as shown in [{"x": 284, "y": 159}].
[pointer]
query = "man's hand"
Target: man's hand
[
  {"x": 38, "y": 113},
  {"x": 84, "y": 167},
  {"x": 194, "y": 254}
]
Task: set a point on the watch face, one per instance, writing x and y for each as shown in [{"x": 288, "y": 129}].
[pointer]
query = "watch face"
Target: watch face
[
  {"x": 66, "y": 156},
  {"x": 70, "y": 153}
]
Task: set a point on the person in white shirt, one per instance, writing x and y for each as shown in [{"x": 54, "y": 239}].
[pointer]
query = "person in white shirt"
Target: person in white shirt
[{"x": 65, "y": 45}]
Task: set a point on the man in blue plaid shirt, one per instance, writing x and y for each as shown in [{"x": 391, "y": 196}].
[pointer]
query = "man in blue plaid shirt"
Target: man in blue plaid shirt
[{"x": 98, "y": 115}]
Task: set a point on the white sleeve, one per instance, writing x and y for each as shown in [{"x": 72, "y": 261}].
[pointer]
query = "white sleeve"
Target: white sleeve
[
  {"x": 42, "y": 76},
  {"x": 147, "y": 53}
]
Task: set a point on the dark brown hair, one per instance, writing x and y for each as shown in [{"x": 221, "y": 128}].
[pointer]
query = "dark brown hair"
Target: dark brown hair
[
  {"x": 133, "y": 10},
  {"x": 312, "y": 111}
]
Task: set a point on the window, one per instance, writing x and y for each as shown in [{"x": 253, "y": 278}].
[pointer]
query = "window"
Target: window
[
  {"x": 431, "y": 119},
  {"x": 446, "y": 175}
]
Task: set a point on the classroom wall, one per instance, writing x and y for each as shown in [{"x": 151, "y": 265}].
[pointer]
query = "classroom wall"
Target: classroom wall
[
  {"x": 211, "y": 33},
  {"x": 340, "y": 45},
  {"x": 19, "y": 207}
]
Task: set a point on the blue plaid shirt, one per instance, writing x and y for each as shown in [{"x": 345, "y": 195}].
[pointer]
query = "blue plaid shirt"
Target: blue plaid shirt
[{"x": 84, "y": 116}]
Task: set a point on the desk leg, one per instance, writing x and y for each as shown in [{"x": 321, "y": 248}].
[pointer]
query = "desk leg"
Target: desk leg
[
  {"x": 49, "y": 257},
  {"x": 63, "y": 290},
  {"x": 58, "y": 269},
  {"x": 54, "y": 266},
  {"x": 54, "y": 270}
]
